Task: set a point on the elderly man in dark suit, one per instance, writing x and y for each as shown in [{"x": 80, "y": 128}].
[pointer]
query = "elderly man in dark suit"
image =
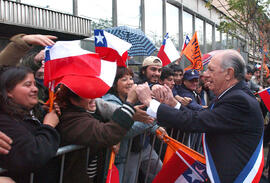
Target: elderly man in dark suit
[{"x": 232, "y": 125}]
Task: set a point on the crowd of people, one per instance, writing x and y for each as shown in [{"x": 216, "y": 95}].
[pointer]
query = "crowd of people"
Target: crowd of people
[{"x": 217, "y": 105}]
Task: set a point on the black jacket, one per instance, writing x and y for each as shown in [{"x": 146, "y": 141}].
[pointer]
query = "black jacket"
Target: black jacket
[
  {"x": 233, "y": 128},
  {"x": 34, "y": 144}
]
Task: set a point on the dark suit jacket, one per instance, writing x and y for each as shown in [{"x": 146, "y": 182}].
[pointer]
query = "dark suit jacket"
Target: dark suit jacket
[{"x": 233, "y": 128}]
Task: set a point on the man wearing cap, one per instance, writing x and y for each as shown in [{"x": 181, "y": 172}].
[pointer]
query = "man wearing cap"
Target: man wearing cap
[
  {"x": 150, "y": 71},
  {"x": 141, "y": 152},
  {"x": 188, "y": 87}
]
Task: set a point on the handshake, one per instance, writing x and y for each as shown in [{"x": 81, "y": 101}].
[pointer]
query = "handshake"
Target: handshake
[{"x": 144, "y": 94}]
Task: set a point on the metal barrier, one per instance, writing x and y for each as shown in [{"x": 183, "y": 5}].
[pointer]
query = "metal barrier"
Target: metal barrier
[
  {"x": 22, "y": 14},
  {"x": 60, "y": 152},
  {"x": 158, "y": 149}
]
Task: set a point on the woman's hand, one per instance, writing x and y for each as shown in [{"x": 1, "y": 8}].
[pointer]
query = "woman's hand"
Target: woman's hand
[
  {"x": 132, "y": 96},
  {"x": 51, "y": 119},
  {"x": 5, "y": 143},
  {"x": 116, "y": 148},
  {"x": 57, "y": 109}
]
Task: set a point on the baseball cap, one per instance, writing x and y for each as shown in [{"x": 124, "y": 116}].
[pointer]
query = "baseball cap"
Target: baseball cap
[
  {"x": 151, "y": 60},
  {"x": 191, "y": 74},
  {"x": 249, "y": 70}
]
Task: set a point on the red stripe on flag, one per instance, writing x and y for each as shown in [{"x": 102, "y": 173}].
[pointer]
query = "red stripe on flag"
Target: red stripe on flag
[
  {"x": 86, "y": 87},
  {"x": 113, "y": 175},
  {"x": 175, "y": 167},
  {"x": 81, "y": 65},
  {"x": 265, "y": 96},
  {"x": 163, "y": 56},
  {"x": 112, "y": 55}
]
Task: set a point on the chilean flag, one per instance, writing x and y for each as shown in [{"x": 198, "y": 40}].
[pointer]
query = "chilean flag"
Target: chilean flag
[
  {"x": 111, "y": 48},
  {"x": 181, "y": 168},
  {"x": 81, "y": 71},
  {"x": 167, "y": 52},
  {"x": 265, "y": 96},
  {"x": 187, "y": 40},
  {"x": 113, "y": 172},
  {"x": 113, "y": 175}
]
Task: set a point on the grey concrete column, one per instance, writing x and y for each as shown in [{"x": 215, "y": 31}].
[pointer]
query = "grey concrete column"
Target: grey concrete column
[
  {"x": 142, "y": 13},
  {"x": 193, "y": 23},
  {"x": 164, "y": 22},
  {"x": 114, "y": 13},
  {"x": 181, "y": 34},
  {"x": 214, "y": 37},
  {"x": 233, "y": 42},
  {"x": 204, "y": 37},
  {"x": 75, "y": 7},
  {"x": 227, "y": 40},
  {"x": 220, "y": 34}
]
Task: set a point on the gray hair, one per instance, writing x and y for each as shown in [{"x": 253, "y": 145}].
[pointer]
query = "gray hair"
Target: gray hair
[{"x": 232, "y": 58}]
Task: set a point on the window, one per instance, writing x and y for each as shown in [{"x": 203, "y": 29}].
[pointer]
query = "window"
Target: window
[
  {"x": 172, "y": 27},
  {"x": 99, "y": 11},
  {"x": 187, "y": 25},
  {"x": 199, "y": 29},
  {"x": 153, "y": 21},
  {"x": 241, "y": 45},
  {"x": 224, "y": 40},
  {"x": 209, "y": 40},
  {"x": 230, "y": 42},
  {"x": 235, "y": 46},
  {"x": 218, "y": 41},
  {"x": 128, "y": 16}
]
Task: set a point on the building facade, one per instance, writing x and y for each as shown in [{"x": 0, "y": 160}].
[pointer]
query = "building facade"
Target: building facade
[{"x": 74, "y": 19}]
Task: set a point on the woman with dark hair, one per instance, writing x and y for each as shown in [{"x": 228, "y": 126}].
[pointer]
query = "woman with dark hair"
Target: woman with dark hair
[
  {"x": 78, "y": 126},
  {"x": 125, "y": 75},
  {"x": 34, "y": 143},
  {"x": 118, "y": 94}
]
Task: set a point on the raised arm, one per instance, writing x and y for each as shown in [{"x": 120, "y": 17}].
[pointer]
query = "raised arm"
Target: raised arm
[{"x": 20, "y": 44}]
